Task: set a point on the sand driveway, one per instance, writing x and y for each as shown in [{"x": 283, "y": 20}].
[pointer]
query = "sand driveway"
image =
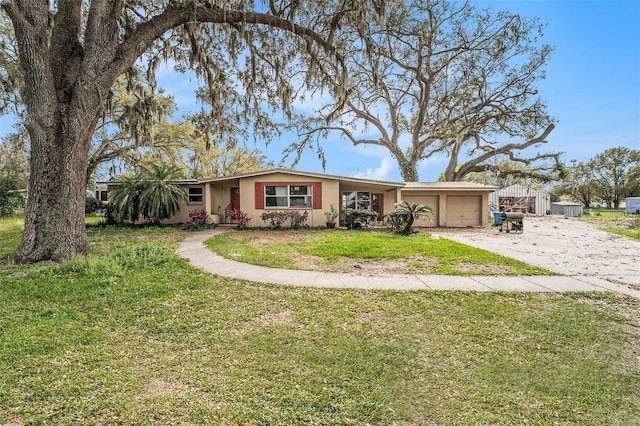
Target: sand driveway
[{"x": 565, "y": 245}]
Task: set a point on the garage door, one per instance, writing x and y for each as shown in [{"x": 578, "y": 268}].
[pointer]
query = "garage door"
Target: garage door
[
  {"x": 426, "y": 200},
  {"x": 464, "y": 210}
]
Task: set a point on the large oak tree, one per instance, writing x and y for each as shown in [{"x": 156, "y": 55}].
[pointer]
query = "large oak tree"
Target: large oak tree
[
  {"x": 72, "y": 51},
  {"x": 440, "y": 77}
]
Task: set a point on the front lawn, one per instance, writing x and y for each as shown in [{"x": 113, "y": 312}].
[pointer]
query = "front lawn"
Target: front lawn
[
  {"x": 131, "y": 334},
  {"x": 364, "y": 252}
]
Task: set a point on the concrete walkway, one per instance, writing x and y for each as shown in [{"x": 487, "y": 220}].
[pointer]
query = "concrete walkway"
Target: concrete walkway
[{"x": 194, "y": 250}]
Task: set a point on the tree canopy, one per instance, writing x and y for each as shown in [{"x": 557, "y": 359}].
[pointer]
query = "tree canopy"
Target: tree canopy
[
  {"x": 442, "y": 78},
  {"x": 608, "y": 178}
]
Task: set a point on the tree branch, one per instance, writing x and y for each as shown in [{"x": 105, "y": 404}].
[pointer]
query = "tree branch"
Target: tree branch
[{"x": 173, "y": 16}]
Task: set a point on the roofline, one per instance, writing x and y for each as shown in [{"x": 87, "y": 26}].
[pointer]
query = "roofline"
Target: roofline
[
  {"x": 433, "y": 186},
  {"x": 419, "y": 186},
  {"x": 300, "y": 173}
]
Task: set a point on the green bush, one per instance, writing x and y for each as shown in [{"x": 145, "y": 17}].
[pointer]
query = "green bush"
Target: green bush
[
  {"x": 93, "y": 205},
  {"x": 358, "y": 219},
  {"x": 10, "y": 197}
]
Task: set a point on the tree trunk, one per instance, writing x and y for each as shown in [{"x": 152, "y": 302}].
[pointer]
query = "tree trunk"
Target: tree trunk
[
  {"x": 54, "y": 224},
  {"x": 63, "y": 106},
  {"x": 409, "y": 172}
]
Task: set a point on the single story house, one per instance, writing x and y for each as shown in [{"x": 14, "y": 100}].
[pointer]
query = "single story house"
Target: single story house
[
  {"x": 520, "y": 199},
  {"x": 454, "y": 204}
]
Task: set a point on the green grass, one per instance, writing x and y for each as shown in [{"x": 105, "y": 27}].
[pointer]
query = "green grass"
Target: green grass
[
  {"x": 11, "y": 230},
  {"x": 439, "y": 256},
  {"x": 631, "y": 232},
  {"x": 10, "y": 233},
  {"x": 603, "y": 214},
  {"x": 620, "y": 223},
  {"x": 131, "y": 334}
]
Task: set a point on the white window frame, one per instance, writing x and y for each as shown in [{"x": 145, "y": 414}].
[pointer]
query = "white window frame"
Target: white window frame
[
  {"x": 288, "y": 194},
  {"x": 359, "y": 203},
  {"x": 195, "y": 197}
]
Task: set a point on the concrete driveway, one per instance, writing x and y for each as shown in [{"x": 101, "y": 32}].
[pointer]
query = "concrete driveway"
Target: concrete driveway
[{"x": 565, "y": 245}]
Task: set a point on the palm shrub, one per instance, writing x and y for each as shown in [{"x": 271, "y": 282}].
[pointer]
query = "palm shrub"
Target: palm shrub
[
  {"x": 124, "y": 198},
  {"x": 152, "y": 193},
  {"x": 402, "y": 218},
  {"x": 161, "y": 195}
]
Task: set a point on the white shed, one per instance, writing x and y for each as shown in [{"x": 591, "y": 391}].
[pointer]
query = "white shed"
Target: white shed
[{"x": 520, "y": 199}]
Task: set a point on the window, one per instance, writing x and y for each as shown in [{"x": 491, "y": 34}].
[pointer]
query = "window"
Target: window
[
  {"x": 288, "y": 196},
  {"x": 356, "y": 200},
  {"x": 195, "y": 194},
  {"x": 101, "y": 195}
]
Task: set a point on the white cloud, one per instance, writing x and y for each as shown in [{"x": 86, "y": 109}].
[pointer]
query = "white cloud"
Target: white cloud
[
  {"x": 383, "y": 172},
  {"x": 429, "y": 169}
]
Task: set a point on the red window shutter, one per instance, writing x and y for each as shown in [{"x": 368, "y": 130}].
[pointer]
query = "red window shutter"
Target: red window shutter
[
  {"x": 317, "y": 195},
  {"x": 260, "y": 195}
]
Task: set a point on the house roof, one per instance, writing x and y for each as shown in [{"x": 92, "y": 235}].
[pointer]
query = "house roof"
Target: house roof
[
  {"x": 405, "y": 186},
  {"x": 520, "y": 189},
  {"x": 449, "y": 186},
  {"x": 300, "y": 173}
]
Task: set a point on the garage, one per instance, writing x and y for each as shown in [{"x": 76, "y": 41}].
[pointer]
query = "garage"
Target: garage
[
  {"x": 454, "y": 204},
  {"x": 464, "y": 211},
  {"x": 426, "y": 200}
]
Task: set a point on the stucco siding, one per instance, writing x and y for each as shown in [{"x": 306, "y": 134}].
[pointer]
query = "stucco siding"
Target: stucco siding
[
  {"x": 329, "y": 194},
  {"x": 426, "y": 200}
]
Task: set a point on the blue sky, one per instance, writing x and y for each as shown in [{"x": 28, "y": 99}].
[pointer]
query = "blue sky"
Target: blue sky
[{"x": 592, "y": 88}]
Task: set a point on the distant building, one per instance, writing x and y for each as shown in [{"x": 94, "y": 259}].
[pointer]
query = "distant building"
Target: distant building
[
  {"x": 520, "y": 199},
  {"x": 567, "y": 208},
  {"x": 632, "y": 205}
]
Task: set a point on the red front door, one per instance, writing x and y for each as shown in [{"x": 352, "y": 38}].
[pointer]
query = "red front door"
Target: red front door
[
  {"x": 377, "y": 204},
  {"x": 235, "y": 198}
]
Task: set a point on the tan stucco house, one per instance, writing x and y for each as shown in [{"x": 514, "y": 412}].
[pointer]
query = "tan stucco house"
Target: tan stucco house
[{"x": 454, "y": 204}]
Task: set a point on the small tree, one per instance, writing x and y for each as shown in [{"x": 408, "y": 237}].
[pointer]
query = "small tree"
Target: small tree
[
  {"x": 615, "y": 174},
  {"x": 405, "y": 214}
]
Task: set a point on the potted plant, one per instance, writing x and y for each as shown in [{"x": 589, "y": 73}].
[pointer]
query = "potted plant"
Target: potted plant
[{"x": 331, "y": 216}]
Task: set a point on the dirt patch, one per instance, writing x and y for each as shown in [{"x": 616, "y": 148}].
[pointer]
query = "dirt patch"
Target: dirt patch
[
  {"x": 159, "y": 387},
  {"x": 407, "y": 265}
]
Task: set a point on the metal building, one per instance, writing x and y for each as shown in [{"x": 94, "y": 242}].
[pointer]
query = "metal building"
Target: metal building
[
  {"x": 567, "y": 209},
  {"x": 520, "y": 199}
]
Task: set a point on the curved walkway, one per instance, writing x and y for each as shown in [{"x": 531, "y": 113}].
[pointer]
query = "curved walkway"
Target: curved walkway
[{"x": 199, "y": 255}]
